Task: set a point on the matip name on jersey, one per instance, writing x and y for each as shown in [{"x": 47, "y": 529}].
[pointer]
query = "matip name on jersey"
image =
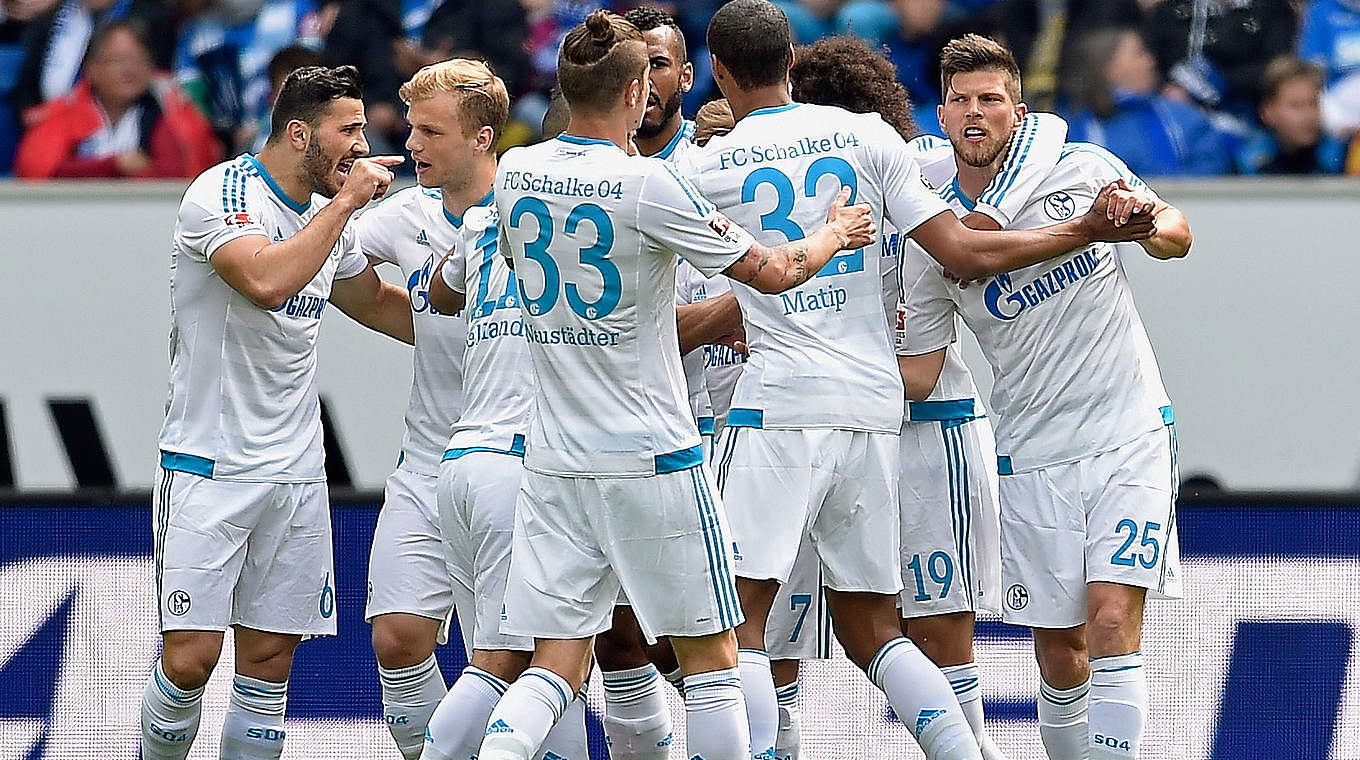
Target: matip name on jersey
[
  {"x": 1039, "y": 289},
  {"x": 302, "y": 306},
  {"x": 571, "y": 187},
  {"x": 801, "y": 302},
  {"x": 805, "y": 146}
]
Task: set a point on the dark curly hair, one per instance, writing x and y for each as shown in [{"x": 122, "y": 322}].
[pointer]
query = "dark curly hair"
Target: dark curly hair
[
  {"x": 647, "y": 18},
  {"x": 844, "y": 71}
]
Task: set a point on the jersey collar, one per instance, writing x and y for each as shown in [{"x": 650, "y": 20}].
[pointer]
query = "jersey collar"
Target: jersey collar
[
  {"x": 773, "y": 109},
  {"x": 297, "y": 208},
  {"x": 957, "y": 191},
  {"x": 457, "y": 221},
  {"x": 574, "y": 140},
  {"x": 686, "y": 131}
]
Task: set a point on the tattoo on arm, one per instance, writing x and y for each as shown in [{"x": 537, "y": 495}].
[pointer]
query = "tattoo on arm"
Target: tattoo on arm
[{"x": 793, "y": 255}]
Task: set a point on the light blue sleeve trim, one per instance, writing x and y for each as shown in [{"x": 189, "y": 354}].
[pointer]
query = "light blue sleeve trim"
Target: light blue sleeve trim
[
  {"x": 675, "y": 461},
  {"x": 941, "y": 411},
  {"x": 751, "y": 418}
]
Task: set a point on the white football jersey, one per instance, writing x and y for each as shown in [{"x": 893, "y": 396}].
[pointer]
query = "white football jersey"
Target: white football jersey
[
  {"x": 1031, "y": 156},
  {"x": 498, "y": 373},
  {"x": 243, "y": 403},
  {"x": 1074, "y": 372},
  {"x": 413, "y": 230},
  {"x": 821, "y": 353},
  {"x": 594, "y": 234}
]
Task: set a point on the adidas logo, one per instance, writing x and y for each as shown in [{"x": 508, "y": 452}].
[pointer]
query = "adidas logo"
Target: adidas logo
[
  {"x": 552, "y": 756},
  {"x": 667, "y": 741},
  {"x": 428, "y": 737},
  {"x": 925, "y": 719},
  {"x": 422, "y": 240},
  {"x": 767, "y": 754},
  {"x": 499, "y": 727}
]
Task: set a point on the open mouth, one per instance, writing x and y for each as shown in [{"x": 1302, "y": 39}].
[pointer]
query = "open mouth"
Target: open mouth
[
  {"x": 974, "y": 134},
  {"x": 420, "y": 166},
  {"x": 344, "y": 166}
]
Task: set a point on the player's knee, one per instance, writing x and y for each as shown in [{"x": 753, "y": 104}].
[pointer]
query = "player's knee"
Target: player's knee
[
  {"x": 620, "y": 648},
  {"x": 189, "y": 667},
  {"x": 394, "y": 647},
  {"x": 1112, "y": 629},
  {"x": 1062, "y": 657}
]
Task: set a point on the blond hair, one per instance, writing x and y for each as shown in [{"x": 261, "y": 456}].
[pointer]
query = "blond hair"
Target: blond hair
[
  {"x": 714, "y": 119},
  {"x": 479, "y": 95}
]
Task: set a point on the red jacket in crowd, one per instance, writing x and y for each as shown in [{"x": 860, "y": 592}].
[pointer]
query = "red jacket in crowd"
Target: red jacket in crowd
[{"x": 182, "y": 142}]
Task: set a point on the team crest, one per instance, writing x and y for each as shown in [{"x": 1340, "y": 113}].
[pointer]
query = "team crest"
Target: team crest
[{"x": 1059, "y": 206}]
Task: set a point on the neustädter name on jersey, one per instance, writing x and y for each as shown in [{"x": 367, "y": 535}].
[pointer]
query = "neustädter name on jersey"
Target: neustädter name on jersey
[
  {"x": 594, "y": 234},
  {"x": 1074, "y": 370},
  {"x": 821, "y": 353},
  {"x": 243, "y": 402},
  {"x": 413, "y": 230}
]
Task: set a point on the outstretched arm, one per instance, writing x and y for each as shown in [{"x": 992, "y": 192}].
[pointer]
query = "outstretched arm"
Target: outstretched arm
[
  {"x": 376, "y": 304},
  {"x": 707, "y": 321}
]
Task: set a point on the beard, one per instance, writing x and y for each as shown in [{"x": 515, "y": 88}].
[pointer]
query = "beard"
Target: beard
[
  {"x": 318, "y": 169},
  {"x": 648, "y": 130},
  {"x": 979, "y": 156}
]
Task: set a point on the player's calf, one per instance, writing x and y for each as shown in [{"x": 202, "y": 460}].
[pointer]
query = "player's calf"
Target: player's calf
[
  {"x": 915, "y": 687},
  {"x": 412, "y": 684},
  {"x": 1119, "y": 691},
  {"x": 1064, "y": 667}
]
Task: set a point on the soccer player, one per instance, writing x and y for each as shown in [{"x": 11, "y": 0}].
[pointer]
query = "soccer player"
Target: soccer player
[
  {"x": 615, "y": 491},
  {"x": 951, "y": 553},
  {"x": 812, "y": 436},
  {"x": 241, "y": 515},
  {"x": 1084, "y": 427},
  {"x": 410, "y": 593},
  {"x": 457, "y": 109}
]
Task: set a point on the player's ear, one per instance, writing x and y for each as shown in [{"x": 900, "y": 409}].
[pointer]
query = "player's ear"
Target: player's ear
[
  {"x": 486, "y": 138},
  {"x": 686, "y": 77},
  {"x": 939, "y": 116},
  {"x": 1021, "y": 111},
  {"x": 298, "y": 133}
]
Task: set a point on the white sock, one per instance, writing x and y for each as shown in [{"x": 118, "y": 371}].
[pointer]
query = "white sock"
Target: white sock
[
  {"x": 567, "y": 740},
  {"x": 676, "y": 678},
  {"x": 762, "y": 707},
  {"x": 1062, "y": 721},
  {"x": 253, "y": 728},
  {"x": 169, "y": 717},
  {"x": 526, "y": 713},
  {"x": 637, "y": 721},
  {"x": 1118, "y": 708},
  {"x": 923, "y": 700},
  {"x": 789, "y": 741},
  {"x": 964, "y": 680},
  {"x": 409, "y": 697},
  {"x": 715, "y": 716},
  {"x": 458, "y": 724}
]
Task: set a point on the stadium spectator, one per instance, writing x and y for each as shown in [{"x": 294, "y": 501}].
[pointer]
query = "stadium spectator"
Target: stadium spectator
[
  {"x": 1112, "y": 85},
  {"x": 222, "y": 54},
  {"x": 122, "y": 119},
  {"x": 810, "y": 20},
  {"x": 15, "y": 17},
  {"x": 55, "y": 44},
  {"x": 912, "y": 42},
  {"x": 1214, "y": 52},
  {"x": 1292, "y": 141},
  {"x": 1330, "y": 38}
]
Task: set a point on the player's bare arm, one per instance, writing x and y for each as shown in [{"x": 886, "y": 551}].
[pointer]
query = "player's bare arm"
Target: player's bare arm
[
  {"x": 271, "y": 273},
  {"x": 375, "y": 304},
  {"x": 442, "y": 297},
  {"x": 921, "y": 373},
  {"x": 972, "y": 254},
  {"x": 707, "y": 321},
  {"x": 778, "y": 268}
]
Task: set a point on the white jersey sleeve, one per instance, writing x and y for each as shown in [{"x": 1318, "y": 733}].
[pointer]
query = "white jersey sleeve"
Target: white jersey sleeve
[
  {"x": 1033, "y": 153},
  {"x": 925, "y": 314},
  {"x": 205, "y": 226},
  {"x": 353, "y": 262},
  {"x": 674, "y": 217},
  {"x": 454, "y": 268},
  {"x": 908, "y": 200}
]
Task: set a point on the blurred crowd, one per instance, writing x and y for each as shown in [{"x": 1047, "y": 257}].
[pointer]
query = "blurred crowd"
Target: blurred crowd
[{"x": 165, "y": 88}]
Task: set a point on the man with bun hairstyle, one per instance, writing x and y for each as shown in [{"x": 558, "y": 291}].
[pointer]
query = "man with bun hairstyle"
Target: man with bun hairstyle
[{"x": 594, "y": 234}]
